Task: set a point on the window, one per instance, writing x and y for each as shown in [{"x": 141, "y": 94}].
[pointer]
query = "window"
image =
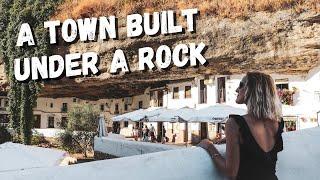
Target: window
[
  {"x": 285, "y": 95},
  {"x": 160, "y": 98},
  {"x": 282, "y": 86},
  {"x": 175, "y": 93},
  {"x": 64, "y": 107},
  {"x": 221, "y": 90},
  {"x": 126, "y": 107},
  {"x": 203, "y": 92},
  {"x": 37, "y": 121},
  {"x": 187, "y": 92},
  {"x": 64, "y": 122},
  {"x": 116, "y": 109},
  {"x": 51, "y": 105},
  {"x": 101, "y": 107},
  {"x": 126, "y": 123},
  {"x": 4, "y": 119},
  {"x": 152, "y": 95},
  {"x": 51, "y": 122},
  {"x": 140, "y": 104},
  {"x": 74, "y": 100},
  {"x": 6, "y": 103}
]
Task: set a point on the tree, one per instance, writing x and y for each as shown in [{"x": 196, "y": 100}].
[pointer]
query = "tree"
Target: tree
[
  {"x": 82, "y": 125},
  {"x": 23, "y": 95}
]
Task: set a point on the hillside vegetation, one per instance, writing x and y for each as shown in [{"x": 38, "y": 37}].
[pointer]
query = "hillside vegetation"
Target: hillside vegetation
[{"x": 219, "y": 8}]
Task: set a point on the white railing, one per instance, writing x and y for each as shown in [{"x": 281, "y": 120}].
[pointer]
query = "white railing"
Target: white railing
[
  {"x": 299, "y": 160},
  {"x": 122, "y": 148}
]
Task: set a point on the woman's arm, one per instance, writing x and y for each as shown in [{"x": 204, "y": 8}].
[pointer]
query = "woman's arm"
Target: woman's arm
[{"x": 230, "y": 164}]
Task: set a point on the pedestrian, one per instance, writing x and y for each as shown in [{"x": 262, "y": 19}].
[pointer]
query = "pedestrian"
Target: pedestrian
[
  {"x": 144, "y": 133},
  {"x": 135, "y": 133},
  {"x": 152, "y": 133},
  {"x": 253, "y": 140}
]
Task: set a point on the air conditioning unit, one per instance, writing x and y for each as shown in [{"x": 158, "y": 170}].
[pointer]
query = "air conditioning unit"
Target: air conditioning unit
[{"x": 128, "y": 100}]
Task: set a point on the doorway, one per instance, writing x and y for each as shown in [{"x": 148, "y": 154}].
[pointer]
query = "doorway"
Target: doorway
[
  {"x": 37, "y": 121},
  {"x": 186, "y": 132},
  {"x": 203, "y": 130},
  {"x": 116, "y": 127}
]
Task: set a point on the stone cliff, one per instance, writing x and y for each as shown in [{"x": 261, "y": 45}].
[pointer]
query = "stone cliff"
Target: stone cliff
[{"x": 280, "y": 42}]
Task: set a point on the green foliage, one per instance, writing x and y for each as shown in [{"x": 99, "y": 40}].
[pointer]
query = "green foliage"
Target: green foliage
[
  {"x": 5, "y": 136},
  {"x": 83, "y": 118},
  {"x": 38, "y": 139},
  {"x": 77, "y": 141},
  {"x": 66, "y": 141},
  {"x": 84, "y": 141},
  {"x": 22, "y": 96},
  {"x": 81, "y": 129}
]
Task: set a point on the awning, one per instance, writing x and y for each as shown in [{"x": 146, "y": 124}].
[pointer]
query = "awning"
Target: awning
[
  {"x": 131, "y": 116},
  {"x": 173, "y": 115},
  {"x": 137, "y": 115},
  {"x": 216, "y": 113}
]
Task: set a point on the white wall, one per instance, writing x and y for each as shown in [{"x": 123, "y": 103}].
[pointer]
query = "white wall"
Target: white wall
[
  {"x": 193, "y": 102},
  {"x": 299, "y": 160},
  {"x": 124, "y": 148},
  {"x": 171, "y": 103}
]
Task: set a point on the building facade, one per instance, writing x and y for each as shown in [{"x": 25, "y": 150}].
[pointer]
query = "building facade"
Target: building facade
[{"x": 301, "y": 91}]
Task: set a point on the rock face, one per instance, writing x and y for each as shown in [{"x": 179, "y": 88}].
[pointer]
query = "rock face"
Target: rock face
[{"x": 280, "y": 42}]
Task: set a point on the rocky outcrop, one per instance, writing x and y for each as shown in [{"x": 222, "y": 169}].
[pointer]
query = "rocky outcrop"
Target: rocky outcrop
[{"x": 280, "y": 42}]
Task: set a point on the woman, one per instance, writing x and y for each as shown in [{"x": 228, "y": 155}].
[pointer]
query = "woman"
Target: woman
[{"x": 252, "y": 140}]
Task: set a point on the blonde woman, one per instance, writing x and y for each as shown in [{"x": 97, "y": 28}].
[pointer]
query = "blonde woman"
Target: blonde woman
[{"x": 252, "y": 140}]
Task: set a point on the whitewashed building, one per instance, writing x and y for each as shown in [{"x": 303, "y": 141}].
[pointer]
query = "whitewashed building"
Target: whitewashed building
[{"x": 302, "y": 93}]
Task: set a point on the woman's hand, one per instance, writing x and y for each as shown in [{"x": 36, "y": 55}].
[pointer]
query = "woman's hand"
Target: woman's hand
[{"x": 206, "y": 144}]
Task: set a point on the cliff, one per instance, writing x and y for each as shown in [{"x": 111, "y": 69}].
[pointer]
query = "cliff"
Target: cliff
[{"x": 280, "y": 42}]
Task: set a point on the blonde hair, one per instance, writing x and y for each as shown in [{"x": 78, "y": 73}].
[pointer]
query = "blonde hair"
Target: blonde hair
[{"x": 261, "y": 96}]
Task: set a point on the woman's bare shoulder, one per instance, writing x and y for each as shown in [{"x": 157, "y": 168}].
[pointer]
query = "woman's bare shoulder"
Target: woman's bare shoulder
[
  {"x": 232, "y": 126},
  {"x": 231, "y": 122}
]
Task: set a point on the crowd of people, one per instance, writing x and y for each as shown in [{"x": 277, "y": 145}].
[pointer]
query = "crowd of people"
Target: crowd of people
[{"x": 148, "y": 134}]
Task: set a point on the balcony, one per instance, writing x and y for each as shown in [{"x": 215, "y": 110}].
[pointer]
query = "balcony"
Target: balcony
[{"x": 286, "y": 96}]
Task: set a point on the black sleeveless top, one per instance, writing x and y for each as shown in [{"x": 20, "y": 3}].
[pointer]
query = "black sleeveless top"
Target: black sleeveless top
[{"x": 255, "y": 163}]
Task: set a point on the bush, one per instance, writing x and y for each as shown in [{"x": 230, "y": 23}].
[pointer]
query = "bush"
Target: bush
[
  {"x": 84, "y": 141},
  {"x": 5, "y": 136},
  {"x": 76, "y": 142},
  {"x": 38, "y": 139},
  {"x": 81, "y": 129},
  {"x": 66, "y": 141}
]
